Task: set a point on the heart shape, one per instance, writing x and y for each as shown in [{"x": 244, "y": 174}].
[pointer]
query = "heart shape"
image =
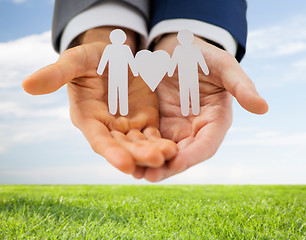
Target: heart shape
[{"x": 152, "y": 66}]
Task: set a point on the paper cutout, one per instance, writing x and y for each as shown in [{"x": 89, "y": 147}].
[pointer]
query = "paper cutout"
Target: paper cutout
[
  {"x": 118, "y": 57},
  {"x": 152, "y": 67},
  {"x": 187, "y": 57}
]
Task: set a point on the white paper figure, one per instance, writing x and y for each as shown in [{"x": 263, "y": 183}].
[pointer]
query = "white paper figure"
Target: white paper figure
[
  {"x": 119, "y": 57},
  {"x": 187, "y": 57},
  {"x": 152, "y": 66}
]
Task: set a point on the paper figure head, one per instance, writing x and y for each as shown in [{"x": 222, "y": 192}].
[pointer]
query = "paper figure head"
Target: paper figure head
[
  {"x": 117, "y": 36},
  {"x": 185, "y": 37}
]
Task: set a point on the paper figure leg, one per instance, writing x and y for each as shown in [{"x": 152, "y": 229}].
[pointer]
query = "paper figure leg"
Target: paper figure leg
[
  {"x": 195, "y": 100},
  {"x": 123, "y": 100},
  {"x": 112, "y": 99},
  {"x": 184, "y": 100}
]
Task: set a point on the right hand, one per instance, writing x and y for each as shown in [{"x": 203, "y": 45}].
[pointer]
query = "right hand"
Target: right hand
[{"x": 199, "y": 137}]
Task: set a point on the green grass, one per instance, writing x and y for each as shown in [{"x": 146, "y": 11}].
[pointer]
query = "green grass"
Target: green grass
[{"x": 153, "y": 212}]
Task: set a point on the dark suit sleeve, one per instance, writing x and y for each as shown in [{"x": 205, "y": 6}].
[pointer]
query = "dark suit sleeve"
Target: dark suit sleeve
[
  {"x": 65, "y": 10},
  {"x": 227, "y": 14}
]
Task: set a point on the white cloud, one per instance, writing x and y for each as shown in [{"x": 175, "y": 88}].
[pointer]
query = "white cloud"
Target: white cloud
[
  {"x": 99, "y": 173},
  {"x": 267, "y": 134},
  {"x": 235, "y": 129},
  {"x": 18, "y": 1},
  {"x": 285, "y": 39},
  {"x": 296, "y": 71},
  {"x": 300, "y": 63},
  {"x": 274, "y": 139},
  {"x": 207, "y": 173},
  {"x": 2, "y": 149},
  {"x": 23, "y": 56},
  {"x": 25, "y": 118},
  {"x": 20, "y": 110},
  {"x": 241, "y": 174},
  {"x": 276, "y": 54}
]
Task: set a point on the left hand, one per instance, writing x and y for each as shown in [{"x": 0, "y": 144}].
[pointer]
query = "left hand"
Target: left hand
[
  {"x": 199, "y": 137},
  {"x": 127, "y": 142}
]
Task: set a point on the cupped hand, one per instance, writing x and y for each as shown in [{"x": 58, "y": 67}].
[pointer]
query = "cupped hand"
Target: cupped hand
[
  {"x": 129, "y": 143},
  {"x": 199, "y": 137}
]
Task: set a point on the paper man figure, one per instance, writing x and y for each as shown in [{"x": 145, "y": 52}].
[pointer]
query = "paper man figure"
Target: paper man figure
[
  {"x": 187, "y": 57},
  {"x": 119, "y": 57}
]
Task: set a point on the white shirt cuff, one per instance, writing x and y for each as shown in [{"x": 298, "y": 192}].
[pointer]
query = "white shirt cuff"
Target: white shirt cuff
[
  {"x": 110, "y": 13},
  {"x": 199, "y": 28}
]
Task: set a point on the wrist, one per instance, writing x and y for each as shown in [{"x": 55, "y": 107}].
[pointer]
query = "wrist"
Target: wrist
[
  {"x": 101, "y": 34},
  {"x": 169, "y": 42},
  {"x": 166, "y": 42}
]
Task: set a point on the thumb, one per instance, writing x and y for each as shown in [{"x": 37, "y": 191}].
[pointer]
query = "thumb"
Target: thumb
[
  {"x": 237, "y": 83},
  {"x": 73, "y": 63},
  {"x": 226, "y": 72},
  {"x": 244, "y": 90}
]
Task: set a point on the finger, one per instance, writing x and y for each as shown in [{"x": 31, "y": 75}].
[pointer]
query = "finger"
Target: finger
[
  {"x": 143, "y": 154},
  {"x": 135, "y": 135},
  {"x": 199, "y": 148},
  {"x": 159, "y": 174},
  {"x": 139, "y": 119},
  {"x": 192, "y": 151},
  {"x": 73, "y": 63},
  {"x": 139, "y": 172},
  {"x": 103, "y": 144},
  {"x": 152, "y": 133},
  {"x": 120, "y": 124},
  {"x": 224, "y": 67},
  {"x": 235, "y": 81},
  {"x": 243, "y": 89},
  {"x": 167, "y": 147}
]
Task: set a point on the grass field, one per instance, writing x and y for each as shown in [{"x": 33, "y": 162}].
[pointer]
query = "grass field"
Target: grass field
[{"x": 153, "y": 212}]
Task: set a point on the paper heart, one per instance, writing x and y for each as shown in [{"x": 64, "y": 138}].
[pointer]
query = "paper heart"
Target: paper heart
[{"x": 152, "y": 66}]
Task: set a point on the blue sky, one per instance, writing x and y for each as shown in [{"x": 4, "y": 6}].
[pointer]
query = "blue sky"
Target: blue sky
[
  {"x": 20, "y": 18},
  {"x": 38, "y": 143}
]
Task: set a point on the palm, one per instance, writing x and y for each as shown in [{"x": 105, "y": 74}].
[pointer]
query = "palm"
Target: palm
[
  {"x": 89, "y": 100},
  {"x": 214, "y": 106},
  {"x": 198, "y": 137},
  {"x": 126, "y": 142},
  {"x": 207, "y": 129}
]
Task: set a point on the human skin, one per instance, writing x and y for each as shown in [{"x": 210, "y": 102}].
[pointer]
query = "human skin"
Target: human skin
[
  {"x": 126, "y": 142},
  {"x": 154, "y": 141},
  {"x": 199, "y": 137}
]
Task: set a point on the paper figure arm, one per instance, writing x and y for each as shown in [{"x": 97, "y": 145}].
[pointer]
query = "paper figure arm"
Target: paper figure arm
[
  {"x": 103, "y": 61},
  {"x": 132, "y": 63},
  {"x": 202, "y": 63},
  {"x": 173, "y": 63}
]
